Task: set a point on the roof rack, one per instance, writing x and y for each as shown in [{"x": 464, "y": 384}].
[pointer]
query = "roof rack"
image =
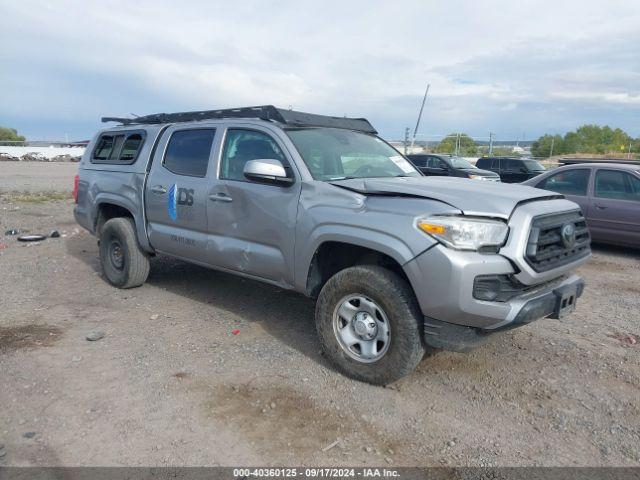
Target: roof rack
[{"x": 265, "y": 112}]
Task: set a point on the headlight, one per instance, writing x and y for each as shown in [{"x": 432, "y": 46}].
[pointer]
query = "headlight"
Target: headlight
[
  {"x": 477, "y": 177},
  {"x": 465, "y": 233}
]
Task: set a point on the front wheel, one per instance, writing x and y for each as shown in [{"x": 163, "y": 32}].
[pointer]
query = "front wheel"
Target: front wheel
[
  {"x": 370, "y": 324},
  {"x": 124, "y": 263}
]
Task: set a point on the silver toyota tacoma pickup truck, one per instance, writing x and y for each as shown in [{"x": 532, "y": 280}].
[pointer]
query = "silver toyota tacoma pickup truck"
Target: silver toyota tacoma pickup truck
[{"x": 397, "y": 261}]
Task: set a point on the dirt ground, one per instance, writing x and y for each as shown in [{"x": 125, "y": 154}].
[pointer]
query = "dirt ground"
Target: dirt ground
[{"x": 171, "y": 384}]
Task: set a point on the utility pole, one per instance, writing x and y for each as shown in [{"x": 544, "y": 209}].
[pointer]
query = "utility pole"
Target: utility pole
[
  {"x": 406, "y": 139},
  {"x": 415, "y": 130},
  {"x": 490, "y": 143},
  {"x": 629, "y": 150},
  {"x": 553, "y": 140}
]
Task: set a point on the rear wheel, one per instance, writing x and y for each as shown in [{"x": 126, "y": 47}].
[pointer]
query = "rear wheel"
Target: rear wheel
[
  {"x": 124, "y": 263},
  {"x": 370, "y": 324}
]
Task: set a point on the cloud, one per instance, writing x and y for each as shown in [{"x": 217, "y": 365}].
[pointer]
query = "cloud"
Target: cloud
[{"x": 507, "y": 67}]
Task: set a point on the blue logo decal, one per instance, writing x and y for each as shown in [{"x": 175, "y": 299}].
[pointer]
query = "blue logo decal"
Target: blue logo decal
[{"x": 172, "y": 202}]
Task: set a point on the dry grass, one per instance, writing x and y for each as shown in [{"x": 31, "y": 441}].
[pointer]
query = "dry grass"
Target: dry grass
[{"x": 34, "y": 197}]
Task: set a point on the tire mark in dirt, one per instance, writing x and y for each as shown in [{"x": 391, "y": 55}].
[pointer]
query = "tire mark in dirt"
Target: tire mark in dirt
[
  {"x": 277, "y": 418},
  {"x": 28, "y": 336}
]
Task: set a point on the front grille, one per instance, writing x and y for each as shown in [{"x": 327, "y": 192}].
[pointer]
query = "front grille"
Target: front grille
[{"x": 546, "y": 248}]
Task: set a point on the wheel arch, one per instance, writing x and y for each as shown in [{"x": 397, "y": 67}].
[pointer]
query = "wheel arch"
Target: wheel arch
[
  {"x": 111, "y": 206},
  {"x": 333, "y": 255}
]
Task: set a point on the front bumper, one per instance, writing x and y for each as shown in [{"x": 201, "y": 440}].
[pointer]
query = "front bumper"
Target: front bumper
[
  {"x": 548, "y": 302},
  {"x": 443, "y": 280}
]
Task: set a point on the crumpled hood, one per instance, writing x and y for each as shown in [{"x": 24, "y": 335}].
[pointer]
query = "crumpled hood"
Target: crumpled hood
[{"x": 472, "y": 197}]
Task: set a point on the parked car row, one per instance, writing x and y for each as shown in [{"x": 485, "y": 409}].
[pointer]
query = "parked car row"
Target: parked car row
[
  {"x": 450, "y": 166},
  {"x": 496, "y": 169}
]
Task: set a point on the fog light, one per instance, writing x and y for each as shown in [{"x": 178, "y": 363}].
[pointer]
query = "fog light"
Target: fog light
[{"x": 487, "y": 288}]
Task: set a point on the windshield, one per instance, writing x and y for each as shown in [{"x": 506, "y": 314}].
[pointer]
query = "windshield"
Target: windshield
[
  {"x": 334, "y": 154},
  {"x": 459, "y": 162},
  {"x": 534, "y": 165}
]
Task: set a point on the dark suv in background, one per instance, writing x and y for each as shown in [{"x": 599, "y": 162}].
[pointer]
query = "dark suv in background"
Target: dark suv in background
[
  {"x": 511, "y": 170},
  {"x": 450, "y": 166}
]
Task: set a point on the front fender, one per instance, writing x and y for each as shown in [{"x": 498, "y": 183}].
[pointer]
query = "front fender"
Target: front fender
[{"x": 382, "y": 242}]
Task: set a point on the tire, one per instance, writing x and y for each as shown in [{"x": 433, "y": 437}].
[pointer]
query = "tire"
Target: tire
[
  {"x": 123, "y": 262},
  {"x": 399, "y": 309}
]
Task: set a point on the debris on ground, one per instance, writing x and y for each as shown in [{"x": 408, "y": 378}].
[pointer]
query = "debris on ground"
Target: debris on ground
[
  {"x": 331, "y": 445},
  {"x": 12, "y": 231},
  {"x": 94, "y": 335},
  {"x": 3, "y": 245},
  {"x": 155, "y": 316},
  {"x": 626, "y": 339},
  {"x": 54, "y": 234},
  {"x": 29, "y": 434},
  {"x": 31, "y": 238},
  {"x": 235, "y": 332}
]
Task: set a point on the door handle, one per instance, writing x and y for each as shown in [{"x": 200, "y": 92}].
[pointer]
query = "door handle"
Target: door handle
[
  {"x": 600, "y": 207},
  {"x": 220, "y": 197},
  {"x": 159, "y": 189}
]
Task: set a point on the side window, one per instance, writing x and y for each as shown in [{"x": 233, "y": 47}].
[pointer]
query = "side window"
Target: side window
[
  {"x": 511, "y": 165},
  {"x": 617, "y": 185},
  {"x": 495, "y": 164},
  {"x": 570, "y": 182},
  {"x": 419, "y": 160},
  {"x": 118, "y": 148},
  {"x": 188, "y": 152},
  {"x": 240, "y": 146},
  {"x": 131, "y": 147},
  {"x": 105, "y": 149}
]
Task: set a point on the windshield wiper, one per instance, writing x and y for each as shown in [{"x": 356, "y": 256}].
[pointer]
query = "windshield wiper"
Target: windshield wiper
[{"x": 335, "y": 179}]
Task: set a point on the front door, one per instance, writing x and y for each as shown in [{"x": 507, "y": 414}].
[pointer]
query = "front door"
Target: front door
[
  {"x": 251, "y": 224},
  {"x": 614, "y": 208},
  {"x": 573, "y": 184},
  {"x": 437, "y": 167},
  {"x": 177, "y": 192}
]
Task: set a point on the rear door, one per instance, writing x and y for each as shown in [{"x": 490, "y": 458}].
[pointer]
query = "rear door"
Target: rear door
[
  {"x": 513, "y": 171},
  {"x": 176, "y": 196},
  {"x": 251, "y": 224},
  {"x": 614, "y": 208}
]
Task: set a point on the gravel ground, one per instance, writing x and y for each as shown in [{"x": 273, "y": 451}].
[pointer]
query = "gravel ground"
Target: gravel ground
[
  {"x": 171, "y": 384},
  {"x": 36, "y": 176}
]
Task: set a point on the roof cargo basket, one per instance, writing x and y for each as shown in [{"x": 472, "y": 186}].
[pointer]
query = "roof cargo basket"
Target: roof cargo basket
[{"x": 290, "y": 118}]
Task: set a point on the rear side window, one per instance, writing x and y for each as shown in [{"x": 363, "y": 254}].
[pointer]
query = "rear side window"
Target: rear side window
[
  {"x": 569, "y": 182},
  {"x": 188, "y": 152},
  {"x": 617, "y": 185},
  {"x": 512, "y": 165},
  {"x": 418, "y": 160},
  {"x": 118, "y": 148}
]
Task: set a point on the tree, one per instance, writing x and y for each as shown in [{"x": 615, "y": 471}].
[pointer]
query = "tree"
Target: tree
[
  {"x": 586, "y": 139},
  {"x": 468, "y": 146},
  {"x": 10, "y": 135},
  {"x": 548, "y": 145}
]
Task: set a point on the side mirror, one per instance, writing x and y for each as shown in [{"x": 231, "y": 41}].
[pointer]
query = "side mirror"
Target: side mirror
[{"x": 267, "y": 170}]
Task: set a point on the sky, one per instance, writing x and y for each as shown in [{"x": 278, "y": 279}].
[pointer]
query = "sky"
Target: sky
[{"x": 516, "y": 68}]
